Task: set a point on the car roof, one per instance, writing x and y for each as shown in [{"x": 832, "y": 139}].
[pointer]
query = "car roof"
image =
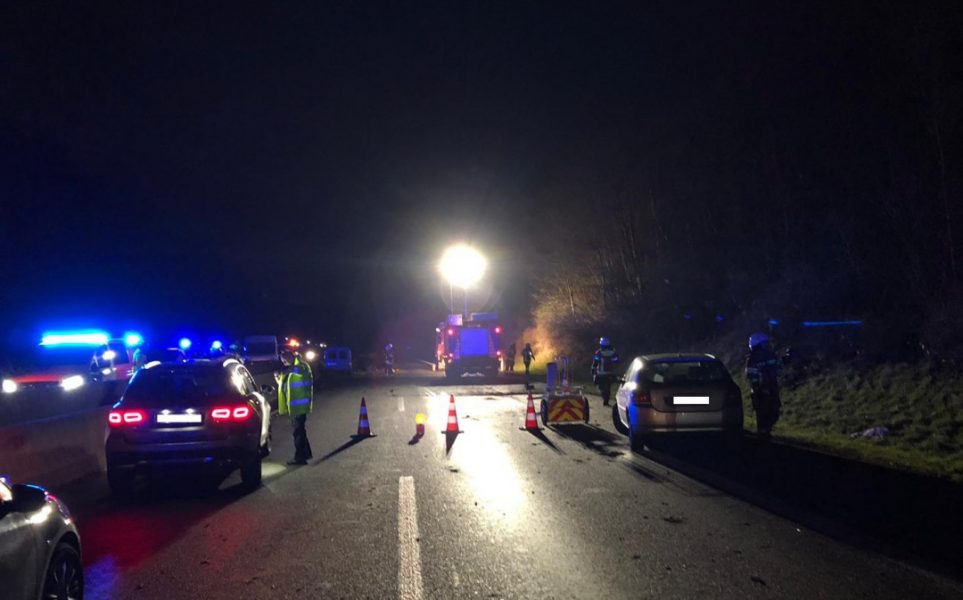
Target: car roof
[
  {"x": 196, "y": 364},
  {"x": 677, "y": 357}
]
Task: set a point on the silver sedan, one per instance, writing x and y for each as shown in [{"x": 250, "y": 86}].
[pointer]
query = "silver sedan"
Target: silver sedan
[
  {"x": 39, "y": 546},
  {"x": 671, "y": 393}
]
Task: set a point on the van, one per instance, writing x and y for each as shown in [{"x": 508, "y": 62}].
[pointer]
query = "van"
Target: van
[{"x": 338, "y": 360}]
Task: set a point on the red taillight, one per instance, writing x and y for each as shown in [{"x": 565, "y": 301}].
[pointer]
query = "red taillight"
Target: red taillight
[
  {"x": 641, "y": 398},
  {"x": 118, "y": 418},
  {"x": 451, "y": 332},
  {"x": 498, "y": 330},
  {"x": 230, "y": 414},
  {"x": 498, "y": 353},
  {"x": 221, "y": 414}
]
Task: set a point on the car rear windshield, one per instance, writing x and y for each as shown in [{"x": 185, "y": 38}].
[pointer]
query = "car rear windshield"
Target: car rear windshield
[
  {"x": 685, "y": 372},
  {"x": 159, "y": 386}
]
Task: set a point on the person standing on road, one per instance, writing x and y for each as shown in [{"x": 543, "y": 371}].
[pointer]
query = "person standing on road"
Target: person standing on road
[
  {"x": 762, "y": 371},
  {"x": 295, "y": 398},
  {"x": 510, "y": 358},
  {"x": 603, "y": 368},
  {"x": 527, "y": 355},
  {"x": 389, "y": 360}
]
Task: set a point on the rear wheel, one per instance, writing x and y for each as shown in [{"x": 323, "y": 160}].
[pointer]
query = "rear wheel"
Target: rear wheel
[
  {"x": 266, "y": 448},
  {"x": 120, "y": 481},
  {"x": 543, "y": 408},
  {"x": 65, "y": 575},
  {"x": 617, "y": 421},
  {"x": 636, "y": 441},
  {"x": 251, "y": 473}
]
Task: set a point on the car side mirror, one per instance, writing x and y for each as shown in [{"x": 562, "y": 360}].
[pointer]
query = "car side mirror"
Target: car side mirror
[{"x": 26, "y": 498}]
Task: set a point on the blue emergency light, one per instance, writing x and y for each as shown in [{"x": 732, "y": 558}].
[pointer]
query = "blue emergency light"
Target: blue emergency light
[
  {"x": 74, "y": 338},
  {"x": 133, "y": 339},
  {"x": 184, "y": 344},
  {"x": 217, "y": 345}
]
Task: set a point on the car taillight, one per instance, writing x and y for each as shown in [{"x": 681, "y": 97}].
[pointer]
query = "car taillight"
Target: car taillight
[
  {"x": 641, "y": 398},
  {"x": 498, "y": 353},
  {"x": 230, "y": 414},
  {"x": 119, "y": 418}
]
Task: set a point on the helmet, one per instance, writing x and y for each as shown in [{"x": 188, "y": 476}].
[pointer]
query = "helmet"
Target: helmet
[
  {"x": 388, "y": 348},
  {"x": 757, "y": 339},
  {"x": 604, "y": 341}
]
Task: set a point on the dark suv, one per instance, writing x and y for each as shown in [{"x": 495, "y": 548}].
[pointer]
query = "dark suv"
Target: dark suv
[{"x": 194, "y": 413}]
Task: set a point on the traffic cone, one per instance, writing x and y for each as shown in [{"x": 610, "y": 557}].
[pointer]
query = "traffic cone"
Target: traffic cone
[
  {"x": 420, "y": 419},
  {"x": 531, "y": 424},
  {"x": 452, "y": 417},
  {"x": 364, "y": 429}
]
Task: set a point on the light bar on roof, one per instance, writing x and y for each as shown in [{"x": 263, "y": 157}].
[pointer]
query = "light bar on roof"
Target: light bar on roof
[{"x": 75, "y": 338}]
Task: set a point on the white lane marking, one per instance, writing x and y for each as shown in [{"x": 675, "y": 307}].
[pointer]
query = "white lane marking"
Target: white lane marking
[
  {"x": 401, "y": 404},
  {"x": 409, "y": 551}
]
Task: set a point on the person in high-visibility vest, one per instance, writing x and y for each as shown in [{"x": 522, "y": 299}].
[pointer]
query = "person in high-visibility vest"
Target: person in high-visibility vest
[{"x": 295, "y": 398}]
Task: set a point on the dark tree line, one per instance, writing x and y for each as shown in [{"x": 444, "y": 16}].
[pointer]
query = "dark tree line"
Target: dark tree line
[{"x": 820, "y": 178}]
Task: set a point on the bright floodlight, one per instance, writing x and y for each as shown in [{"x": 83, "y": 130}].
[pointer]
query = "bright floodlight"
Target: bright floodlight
[{"x": 462, "y": 266}]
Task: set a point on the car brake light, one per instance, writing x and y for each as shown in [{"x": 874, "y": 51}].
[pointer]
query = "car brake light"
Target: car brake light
[
  {"x": 451, "y": 332},
  {"x": 118, "y": 418},
  {"x": 224, "y": 414},
  {"x": 641, "y": 398},
  {"x": 498, "y": 330},
  {"x": 498, "y": 353}
]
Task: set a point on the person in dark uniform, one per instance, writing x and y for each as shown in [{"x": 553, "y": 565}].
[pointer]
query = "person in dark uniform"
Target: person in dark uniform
[{"x": 762, "y": 371}]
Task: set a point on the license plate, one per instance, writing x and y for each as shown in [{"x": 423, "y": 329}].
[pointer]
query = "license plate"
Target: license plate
[
  {"x": 690, "y": 400},
  {"x": 195, "y": 418}
]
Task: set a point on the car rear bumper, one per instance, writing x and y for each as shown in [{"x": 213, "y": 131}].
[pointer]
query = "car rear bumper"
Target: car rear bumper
[
  {"x": 648, "y": 419},
  {"x": 232, "y": 451}
]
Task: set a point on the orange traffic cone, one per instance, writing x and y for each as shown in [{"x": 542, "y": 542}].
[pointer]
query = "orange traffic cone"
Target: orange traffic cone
[
  {"x": 452, "y": 417},
  {"x": 364, "y": 429},
  {"x": 530, "y": 423}
]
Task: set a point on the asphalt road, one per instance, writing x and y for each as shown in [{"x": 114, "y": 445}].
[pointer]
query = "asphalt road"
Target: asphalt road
[{"x": 494, "y": 512}]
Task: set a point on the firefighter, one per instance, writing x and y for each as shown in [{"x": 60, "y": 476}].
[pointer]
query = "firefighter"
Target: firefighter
[
  {"x": 603, "y": 368},
  {"x": 295, "y": 398},
  {"x": 527, "y": 355},
  {"x": 762, "y": 371},
  {"x": 389, "y": 360},
  {"x": 510, "y": 358}
]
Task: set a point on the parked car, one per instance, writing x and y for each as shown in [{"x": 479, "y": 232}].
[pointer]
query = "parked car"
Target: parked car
[
  {"x": 39, "y": 546},
  {"x": 202, "y": 413},
  {"x": 674, "y": 393}
]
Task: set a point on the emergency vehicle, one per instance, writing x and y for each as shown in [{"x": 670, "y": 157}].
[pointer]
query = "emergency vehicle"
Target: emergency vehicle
[
  {"x": 469, "y": 346},
  {"x": 69, "y": 360}
]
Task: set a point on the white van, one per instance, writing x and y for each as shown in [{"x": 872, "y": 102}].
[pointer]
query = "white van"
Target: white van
[{"x": 260, "y": 348}]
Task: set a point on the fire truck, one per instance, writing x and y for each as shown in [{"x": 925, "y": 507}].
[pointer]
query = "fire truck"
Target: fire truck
[{"x": 469, "y": 346}]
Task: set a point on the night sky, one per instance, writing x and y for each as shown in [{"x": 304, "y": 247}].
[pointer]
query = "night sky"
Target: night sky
[{"x": 301, "y": 166}]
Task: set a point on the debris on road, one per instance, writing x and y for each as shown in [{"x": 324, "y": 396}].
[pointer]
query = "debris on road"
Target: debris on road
[
  {"x": 759, "y": 580},
  {"x": 675, "y": 519}
]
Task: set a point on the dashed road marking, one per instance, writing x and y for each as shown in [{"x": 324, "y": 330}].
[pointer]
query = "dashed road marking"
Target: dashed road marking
[
  {"x": 401, "y": 404},
  {"x": 409, "y": 551}
]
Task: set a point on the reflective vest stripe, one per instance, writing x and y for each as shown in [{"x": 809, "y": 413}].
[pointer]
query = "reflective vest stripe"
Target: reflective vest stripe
[{"x": 298, "y": 402}]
